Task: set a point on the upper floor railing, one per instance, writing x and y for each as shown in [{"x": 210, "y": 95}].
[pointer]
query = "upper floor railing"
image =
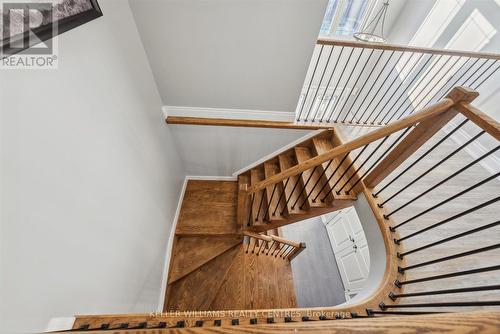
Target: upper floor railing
[{"x": 375, "y": 84}]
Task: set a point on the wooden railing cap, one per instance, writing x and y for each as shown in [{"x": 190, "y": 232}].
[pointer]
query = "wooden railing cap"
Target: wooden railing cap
[{"x": 462, "y": 94}]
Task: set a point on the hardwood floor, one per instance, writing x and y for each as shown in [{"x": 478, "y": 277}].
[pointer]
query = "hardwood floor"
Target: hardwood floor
[{"x": 210, "y": 268}]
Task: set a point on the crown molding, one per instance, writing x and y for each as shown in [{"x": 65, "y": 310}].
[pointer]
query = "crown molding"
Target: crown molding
[{"x": 222, "y": 113}]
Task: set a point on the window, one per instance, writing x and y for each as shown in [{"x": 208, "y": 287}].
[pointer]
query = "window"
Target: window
[{"x": 345, "y": 17}]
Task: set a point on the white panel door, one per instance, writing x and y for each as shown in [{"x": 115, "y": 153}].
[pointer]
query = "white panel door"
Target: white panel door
[
  {"x": 339, "y": 233},
  {"x": 350, "y": 248}
]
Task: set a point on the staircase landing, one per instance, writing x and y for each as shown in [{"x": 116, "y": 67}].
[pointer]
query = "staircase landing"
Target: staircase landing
[{"x": 210, "y": 268}]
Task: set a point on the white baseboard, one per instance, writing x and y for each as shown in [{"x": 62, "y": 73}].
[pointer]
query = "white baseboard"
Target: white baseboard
[
  {"x": 211, "y": 178},
  {"x": 244, "y": 114},
  {"x": 168, "y": 252},
  {"x": 60, "y": 324}
]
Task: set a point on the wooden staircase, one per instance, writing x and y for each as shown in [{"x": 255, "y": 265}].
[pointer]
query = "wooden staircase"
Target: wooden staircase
[
  {"x": 212, "y": 269},
  {"x": 311, "y": 193}
]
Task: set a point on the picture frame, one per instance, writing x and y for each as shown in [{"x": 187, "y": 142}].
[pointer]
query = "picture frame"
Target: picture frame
[{"x": 48, "y": 31}]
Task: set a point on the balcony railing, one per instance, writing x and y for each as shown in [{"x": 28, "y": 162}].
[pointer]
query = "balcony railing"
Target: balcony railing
[{"x": 375, "y": 84}]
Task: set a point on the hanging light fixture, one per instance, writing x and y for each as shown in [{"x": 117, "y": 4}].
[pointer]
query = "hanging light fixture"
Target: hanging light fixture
[{"x": 373, "y": 31}]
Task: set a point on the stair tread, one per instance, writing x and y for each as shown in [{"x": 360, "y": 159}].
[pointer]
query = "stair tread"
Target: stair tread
[
  {"x": 231, "y": 290},
  {"x": 209, "y": 207},
  {"x": 193, "y": 252},
  {"x": 196, "y": 291},
  {"x": 256, "y": 282}
]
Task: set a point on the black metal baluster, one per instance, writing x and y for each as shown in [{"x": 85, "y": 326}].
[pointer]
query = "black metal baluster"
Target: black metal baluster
[
  {"x": 281, "y": 196},
  {"x": 449, "y": 257},
  {"x": 489, "y": 75},
  {"x": 449, "y": 275},
  {"x": 315, "y": 184},
  {"x": 453, "y": 237},
  {"x": 328, "y": 181},
  {"x": 356, "y": 82},
  {"x": 270, "y": 200},
  {"x": 482, "y": 73},
  {"x": 424, "y": 86},
  {"x": 373, "y": 85},
  {"x": 344, "y": 173},
  {"x": 380, "y": 157},
  {"x": 260, "y": 246},
  {"x": 494, "y": 176},
  {"x": 270, "y": 248},
  {"x": 418, "y": 105},
  {"x": 402, "y": 82},
  {"x": 288, "y": 252},
  {"x": 336, "y": 85},
  {"x": 291, "y": 193},
  {"x": 449, "y": 304},
  {"x": 422, "y": 156},
  {"x": 250, "y": 211},
  {"x": 278, "y": 249},
  {"x": 310, "y": 83},
  {"x": 328, "y": 85},
  {"x": 319, "y": 85},
  {"x": 414, "y": 88},
  {"x": 447, "y": 220},
  {"x": 345, "y": 85},
  {"x": 362, "y": 164},
  {"x": 440, "y": 162},
  {"x": 394, "y": 296},
  {"x": 304, "y": 186},
  {"x": 464, "y": 83},
  {"x": 362, "y": 88},
  {"x": 284, "y": 250},
  {"x": 382, "y": 85},
  {"x": 255, "y": 241},
  {"x": 260, "y": 205},
  {"x": 458, "y": 172}
]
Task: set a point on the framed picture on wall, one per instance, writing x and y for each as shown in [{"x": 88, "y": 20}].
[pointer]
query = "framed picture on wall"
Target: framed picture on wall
[{"x": 27, "y": 23}]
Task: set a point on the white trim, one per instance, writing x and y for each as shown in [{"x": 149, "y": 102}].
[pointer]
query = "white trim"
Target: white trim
[
  {"x": 163, "y": 288},
  {"x": 60, "y": 324},
  {"x": 245, "y": 114},
  {"x": 278, "y": 151},
  {"x": 211, "y": 178}
]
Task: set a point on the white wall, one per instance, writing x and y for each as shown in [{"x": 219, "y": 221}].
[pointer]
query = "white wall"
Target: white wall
[
  {"x": 413, "y": 15},
  {"x": 90, "y": 180},
  {"x": 221, "y": 151},
  {"x": 245, "y": 54}
]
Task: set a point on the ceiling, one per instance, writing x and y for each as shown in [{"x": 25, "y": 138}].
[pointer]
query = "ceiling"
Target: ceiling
[{"x": 245, "y": 54}]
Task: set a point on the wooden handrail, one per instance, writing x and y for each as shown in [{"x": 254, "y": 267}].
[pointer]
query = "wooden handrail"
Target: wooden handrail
[
  {"x": 257, "y": 236},
  {"x": 269, "y": 238},
  {"x": 458, "y": 94},
  {"x": 482, "y": 120},
  {"x": 395, "y": 47}
]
